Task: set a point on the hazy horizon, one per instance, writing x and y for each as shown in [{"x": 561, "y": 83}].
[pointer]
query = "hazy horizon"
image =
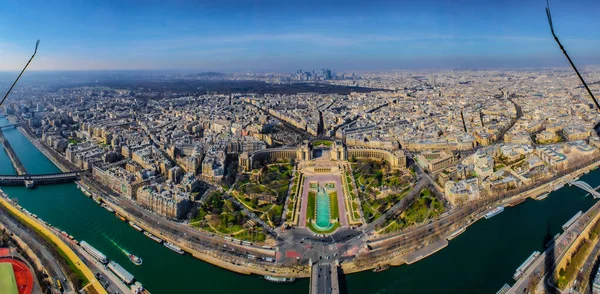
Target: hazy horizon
[{"x": 187, "y": 71}]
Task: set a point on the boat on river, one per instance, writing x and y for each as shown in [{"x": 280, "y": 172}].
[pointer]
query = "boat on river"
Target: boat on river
[
  {"x": 174, "y": 247},
  {"x": 381, "y": 268},
  {"x": 504, "y": 289},
  {"x": 120, "y": 272},
  {"x": 494, "y": 212},
  {"x": 107, "y": 207},
  {"x": 120, "y": 217},
  {"x": 279, "y": 279},
  {"x": 456, "y": 233},
  {"x": 134, "y": 259},
  {"x": 571, "y": 221},
  {"x": 525, "y": 265},
  {"x": 541, "y": 197},
  {"x": 157, "y": 239},
  {"x": 94, "y": 252},
  {"x": 138, "y": 288},
  {"x": 133, "y": 225}
]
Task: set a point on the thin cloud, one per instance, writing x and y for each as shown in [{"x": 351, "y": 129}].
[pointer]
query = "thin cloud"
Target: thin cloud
[{"x": 316, "y": 39}]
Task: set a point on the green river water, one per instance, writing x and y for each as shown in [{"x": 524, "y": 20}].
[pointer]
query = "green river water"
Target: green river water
[{"x": 479, "y": 261}]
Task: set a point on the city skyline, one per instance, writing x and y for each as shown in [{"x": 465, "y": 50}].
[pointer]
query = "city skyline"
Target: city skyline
[{"x": 235, "y": 36}]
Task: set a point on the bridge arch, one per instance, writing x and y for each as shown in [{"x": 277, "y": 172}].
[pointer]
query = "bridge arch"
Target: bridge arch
[{"x": 584, "y": 186}]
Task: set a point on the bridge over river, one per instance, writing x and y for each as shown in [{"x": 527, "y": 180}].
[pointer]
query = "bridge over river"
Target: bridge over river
[
  {"x": 8, "y": 126},
  {"x": 40, "y": 179},
  {"x": 324, "y": 278},
  {"x": 584, "y": 186}
]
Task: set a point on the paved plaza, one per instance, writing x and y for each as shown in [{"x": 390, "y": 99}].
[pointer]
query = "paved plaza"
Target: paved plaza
[{"x": 322, "y": 179}]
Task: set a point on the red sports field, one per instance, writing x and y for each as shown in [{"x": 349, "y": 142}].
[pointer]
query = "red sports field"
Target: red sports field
[
  {"x": 23, "y": 275},
  {"x": 292, "y": 254}
]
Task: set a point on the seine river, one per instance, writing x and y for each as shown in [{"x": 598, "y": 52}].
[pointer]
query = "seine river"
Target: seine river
[{"x": 481, "y": 260}]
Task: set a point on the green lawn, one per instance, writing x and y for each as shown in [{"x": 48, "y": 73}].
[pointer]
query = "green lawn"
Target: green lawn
[
  {"x": 224, "y": 217},
  {"x": 370, "y": 214},
  {"x": 335, "y": 213},
  {"x": 371, "y": 176},
  {"x": 256, "y": 236},
  {"x": 323, "y": 142},
  {"x": 393, "y": 227},
  {"x": 310, "y": 207},
  {"x": 421, "y": 209},
  {"x": 274, "y": 180},
  {"x": 8, "y": 283}
]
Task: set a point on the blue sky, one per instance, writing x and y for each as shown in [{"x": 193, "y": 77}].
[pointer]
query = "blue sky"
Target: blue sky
[{"x": 285, "y": 35}]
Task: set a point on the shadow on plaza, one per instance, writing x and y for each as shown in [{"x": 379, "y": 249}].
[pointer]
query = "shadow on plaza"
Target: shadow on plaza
[
  {"x": 591, "y": 274},
  {"x": 549, "y": 245}
]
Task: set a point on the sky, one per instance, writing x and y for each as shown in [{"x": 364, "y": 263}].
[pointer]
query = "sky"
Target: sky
[{"x": 239, "y": 36}]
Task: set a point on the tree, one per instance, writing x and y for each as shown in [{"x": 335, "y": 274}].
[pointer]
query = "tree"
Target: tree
[
  {"x": 4, "y": 238},
  {"x": 224, "y": 219}
]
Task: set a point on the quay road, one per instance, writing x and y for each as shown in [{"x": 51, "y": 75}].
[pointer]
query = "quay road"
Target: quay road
[
  {"x": 37, "y": 244},
  {"x": 108, "y": 279},
  {"x": 546, "y": 262}
]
